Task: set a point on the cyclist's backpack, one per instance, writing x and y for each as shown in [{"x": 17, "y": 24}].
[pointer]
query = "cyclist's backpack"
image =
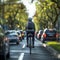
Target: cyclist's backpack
[{"x": 30, "y": 25}]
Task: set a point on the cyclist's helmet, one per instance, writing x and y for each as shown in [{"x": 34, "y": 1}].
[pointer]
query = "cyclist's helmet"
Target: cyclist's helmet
[{"x": 30, "y": 19}]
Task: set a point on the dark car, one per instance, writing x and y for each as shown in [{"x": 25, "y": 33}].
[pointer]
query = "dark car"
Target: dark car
[
  {"x": 49, "y": 35},
  {"x": 4, "y": 45}
]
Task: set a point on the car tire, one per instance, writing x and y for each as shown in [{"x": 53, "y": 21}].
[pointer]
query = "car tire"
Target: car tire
[
  {"x": 8, "y": 55},
  {"x": 4, "y": 57},
  {"x": 43, "y": 41},
  {"x": 17, "y": 43}
]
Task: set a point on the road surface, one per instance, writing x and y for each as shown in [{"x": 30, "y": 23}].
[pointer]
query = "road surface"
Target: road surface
[{"x": 21, "y": 52}]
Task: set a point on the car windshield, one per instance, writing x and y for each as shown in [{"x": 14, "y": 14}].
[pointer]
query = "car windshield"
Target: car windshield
[
  {"x": 11, "y": 35},
  {"x": 9, "y": 32}
]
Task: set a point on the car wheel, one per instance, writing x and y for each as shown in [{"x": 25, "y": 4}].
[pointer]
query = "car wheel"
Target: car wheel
[
  {"x": 43, "y": 41},
  {"x": 4, "y": 57},
  {"x": 17, "y": 43}
]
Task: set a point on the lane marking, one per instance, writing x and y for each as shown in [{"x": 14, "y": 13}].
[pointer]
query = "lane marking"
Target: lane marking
[
  {"x": 19, "y": 51},
  {"x": 23, "y": 46},
  {"x": 59, "y": 56},
  {"x": 21, "y": 56},
  {"x": 14, "y": 56},
  {"x": 44, "y": 45}
]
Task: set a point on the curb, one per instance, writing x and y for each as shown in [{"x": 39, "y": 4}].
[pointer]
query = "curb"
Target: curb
[{"x": 52, "y": 51}]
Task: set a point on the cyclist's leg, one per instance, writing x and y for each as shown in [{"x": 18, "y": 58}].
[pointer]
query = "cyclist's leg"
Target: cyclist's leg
[
  {"x": 27, "y": 39},
  {"x": 33, "y": 39}
]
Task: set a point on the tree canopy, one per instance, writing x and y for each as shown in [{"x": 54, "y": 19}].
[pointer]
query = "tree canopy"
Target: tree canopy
[
  {"x": 13, "y": 14},
  {"x": 47, "y": 12}
]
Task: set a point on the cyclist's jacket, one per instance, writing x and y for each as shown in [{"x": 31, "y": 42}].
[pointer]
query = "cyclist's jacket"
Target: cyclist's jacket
[{"x": 30, "y": 26}]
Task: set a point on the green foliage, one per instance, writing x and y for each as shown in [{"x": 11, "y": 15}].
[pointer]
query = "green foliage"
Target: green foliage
[
  {"x": 55, "y": 45},
  {"x": 47, "y": 13},
  {"x": 12, "y": 0},
  {"x": 57, "y": 2},
  {"x": 14, "y": 14}
]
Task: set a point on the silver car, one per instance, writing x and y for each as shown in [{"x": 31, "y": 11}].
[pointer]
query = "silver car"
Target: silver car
[{"x": 13, "y": 37}]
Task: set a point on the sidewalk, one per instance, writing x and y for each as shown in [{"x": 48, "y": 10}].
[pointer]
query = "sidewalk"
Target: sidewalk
[{"x": 52, "y": 51}]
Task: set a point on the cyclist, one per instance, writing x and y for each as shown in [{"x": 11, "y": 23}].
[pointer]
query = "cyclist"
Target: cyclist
[{"x": 30, "y": 26}]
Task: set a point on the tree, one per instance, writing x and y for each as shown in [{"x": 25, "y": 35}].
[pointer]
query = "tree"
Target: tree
[
  {"x": 47, "y": 12},
  {"x": 14, "y": 14}
]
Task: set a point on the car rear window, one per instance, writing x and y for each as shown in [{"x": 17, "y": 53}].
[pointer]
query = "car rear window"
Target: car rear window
[
  {"x": 50, "y": 32},
  {"x": 41, "y": 32}
]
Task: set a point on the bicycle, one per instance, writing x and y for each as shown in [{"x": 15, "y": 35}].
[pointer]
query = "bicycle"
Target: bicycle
[{"x": 30, "y": 43}]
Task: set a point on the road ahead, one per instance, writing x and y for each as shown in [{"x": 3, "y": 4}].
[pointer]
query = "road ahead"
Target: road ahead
[{"x": 21, "y": 52}]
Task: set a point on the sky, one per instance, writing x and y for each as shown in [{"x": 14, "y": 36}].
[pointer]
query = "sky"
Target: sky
[{"x": 30, "y": 7}]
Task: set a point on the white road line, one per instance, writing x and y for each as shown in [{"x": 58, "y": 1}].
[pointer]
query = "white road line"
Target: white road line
[
  {"x": 44, "y": 45},
  {"x": 15, "y": 51},
  {"x": 14, "y": 56},
  {"x": 21, "y": 56},
  {"x": 19, "y": 51},
  {"x": 23, "y": 46}
]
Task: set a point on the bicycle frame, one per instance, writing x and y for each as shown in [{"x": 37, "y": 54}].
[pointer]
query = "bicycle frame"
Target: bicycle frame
[{"x": 30, "y": 42}]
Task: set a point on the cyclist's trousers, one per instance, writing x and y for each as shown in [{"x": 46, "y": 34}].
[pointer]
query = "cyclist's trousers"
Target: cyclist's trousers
[{"x": 32, "y": 37}]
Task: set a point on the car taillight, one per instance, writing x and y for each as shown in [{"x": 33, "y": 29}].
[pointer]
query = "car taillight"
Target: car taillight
[
  {"x": 1, "y": 44},
  {"x": 57, "y": 35},
  {"x": 39, "y": 35},
  {"x": 5, "y": 39},
  {"x": 22, "y": 34},
  {"x": 44, "y": 35}
]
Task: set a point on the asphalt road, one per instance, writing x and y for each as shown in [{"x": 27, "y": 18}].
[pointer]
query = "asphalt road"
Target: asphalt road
[{"x": 21, "y": 52}]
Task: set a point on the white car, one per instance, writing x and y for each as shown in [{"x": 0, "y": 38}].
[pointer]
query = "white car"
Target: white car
[{"x": 13, "y": 37}]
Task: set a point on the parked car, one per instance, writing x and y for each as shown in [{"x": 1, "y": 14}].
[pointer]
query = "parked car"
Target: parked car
[
  {"x": 49, "y": 35},
  {"x": 39, "y": 34},
  {"x": 36, "y": 32},
  {"x": 4, "y": 45},
  {"x": 19, "y": 35},
  {"x": 58, "y": 37},
  {"x": 13, "y": 36},
  {"x": 22, "y": 34}
]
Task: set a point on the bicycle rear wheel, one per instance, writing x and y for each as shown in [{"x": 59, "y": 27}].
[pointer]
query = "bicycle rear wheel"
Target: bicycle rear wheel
[{"x": 30, "y": 45}]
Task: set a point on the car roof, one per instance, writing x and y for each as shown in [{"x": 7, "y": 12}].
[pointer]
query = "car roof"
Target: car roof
[{"x": 13, "y": 34}]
